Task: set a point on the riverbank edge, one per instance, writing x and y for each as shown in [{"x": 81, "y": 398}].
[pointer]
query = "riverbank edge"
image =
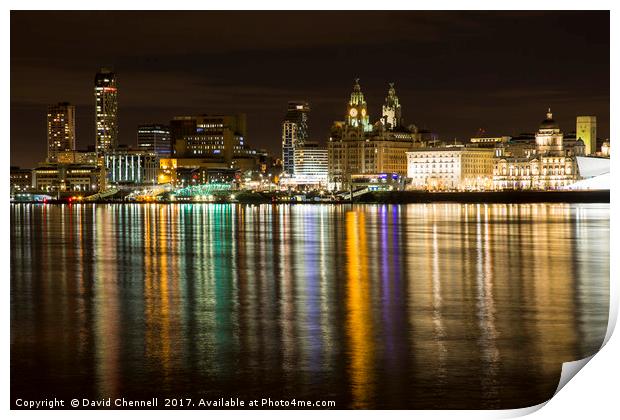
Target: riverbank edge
[{"x": 401, "y": 197}]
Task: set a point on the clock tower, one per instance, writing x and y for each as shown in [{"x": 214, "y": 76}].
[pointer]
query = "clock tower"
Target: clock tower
[{"x": 357, "y": 111}]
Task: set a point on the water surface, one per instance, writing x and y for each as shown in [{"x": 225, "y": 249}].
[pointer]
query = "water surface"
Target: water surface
[{"x": 372, "y": 306}]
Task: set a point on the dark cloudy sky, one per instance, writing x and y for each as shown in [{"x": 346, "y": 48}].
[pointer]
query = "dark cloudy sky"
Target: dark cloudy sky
[{"x": 454, "y": 71}]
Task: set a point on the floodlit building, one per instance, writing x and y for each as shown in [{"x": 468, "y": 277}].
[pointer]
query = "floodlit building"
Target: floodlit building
[
  {"x": 310, "y": 167},
  {"x": 357, "y": 110},
  {"x": 546, "y": 167},
  {"x": 21, "y": 179},
  {"x": 212, "y": 141},
  {"x": 391, "y": 111},
  {"x": 586, "y": 131},
  {"x": 357, "y": 148},
  {"x": 83, "y": 157},
  {"x": 106, "y": 111},
  {"x": 60, "y": 129},
  {"x": 154, "y": 138},
  {"x": 606, "y": 149},
  {"x": 64, "y": 178},
  {"x": 125, "y": 166},
  {"x": 451, "y": 168}
]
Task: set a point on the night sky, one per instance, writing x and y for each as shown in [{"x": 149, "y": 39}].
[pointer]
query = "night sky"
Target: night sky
[{"x": 454, "y": 72}]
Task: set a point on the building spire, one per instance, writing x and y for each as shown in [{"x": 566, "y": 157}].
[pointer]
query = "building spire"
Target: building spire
[
  {"x": 549, "y": 114},
  {"x": 357, "y": 97}
]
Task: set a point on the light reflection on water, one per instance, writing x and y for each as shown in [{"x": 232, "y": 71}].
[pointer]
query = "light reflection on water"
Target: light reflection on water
[{"x": 377, "y": 306}]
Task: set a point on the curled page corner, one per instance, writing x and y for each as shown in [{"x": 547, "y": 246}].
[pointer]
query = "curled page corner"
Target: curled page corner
[{"x": 570, "y": 369}]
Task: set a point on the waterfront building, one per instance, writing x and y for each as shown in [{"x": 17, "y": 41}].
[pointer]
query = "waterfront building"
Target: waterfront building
[
  {"x": 606, "y": 149},
  {"x": 106, "y": 111},
  {"x": 154, "y": 138},
  {"x": 451, "y": 168},
  {"x": 310, "y": 167},
  {"x": 546, "y": 167},
  {"x": 377, "y": 182},
  {"x": 60, "y": 129},
  {"x": 196, "y": 171},
  {"x": 294, "y": 132},
  {"x": 195, "y": 176},
  {"x": 353, "y": 149},
  {"x": 586, "y": 131},
  {"x": 212, "y": 141},
  {"x": 66, "y": 177},
  {"x": 21, "y": 179},
  {"x": 126, "y": 166}
]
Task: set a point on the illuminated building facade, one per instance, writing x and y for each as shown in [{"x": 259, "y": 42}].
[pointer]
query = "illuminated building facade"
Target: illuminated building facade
[
  {"x": 586, "y": 131},
  {"x": 606, "y": 149},
  {"x": 357, "y": 109},
  {"x": 391, "y": 115},
  {"x": 60, "y": 129},
  {"x": 84, "y": 157},
  {"x": 310, "y": 167},
  {"x": 212, "y": 140},
  {"x": 547, "y": 167},
  {"x": 451, "y": 168},
  {"x": 106, "y": 111},
  {"x": 124, "y": 166},
  {"x": 154, "y": 138},
  {"x": 294, "y": 133},
  {"x": 21, "y": 179},
  {"x": 489, "y": 140},
  {"x": 62, "y": 178},
  {"x": 357, "y": 148}
]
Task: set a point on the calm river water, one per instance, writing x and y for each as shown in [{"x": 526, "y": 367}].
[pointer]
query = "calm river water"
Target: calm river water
[{"x": 371, "y": 306}]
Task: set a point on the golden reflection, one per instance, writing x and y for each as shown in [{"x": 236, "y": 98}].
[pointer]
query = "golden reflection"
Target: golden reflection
[
  {"x": 489, "y": 351},
  {"x": 106, "y": 306},
  {"x": 359, "y": 318}
]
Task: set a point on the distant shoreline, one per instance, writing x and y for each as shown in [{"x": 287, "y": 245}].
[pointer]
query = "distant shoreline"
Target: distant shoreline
[{"x": 398, "y": 197}]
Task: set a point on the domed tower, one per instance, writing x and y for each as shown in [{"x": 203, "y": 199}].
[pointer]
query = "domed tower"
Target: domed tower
[
  {"x": 391, "y": 109},
  {"x": 549, "y": 138},
  {"x": 357, "y": 111}
]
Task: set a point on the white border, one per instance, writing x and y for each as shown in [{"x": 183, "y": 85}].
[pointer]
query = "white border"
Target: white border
[{"x": 593, "y": 394}]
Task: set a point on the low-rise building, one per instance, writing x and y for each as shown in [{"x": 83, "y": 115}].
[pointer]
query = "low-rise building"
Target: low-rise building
[
  {"x": 125, "y": 166},
  {"x": 450, "y": 168},
  {"x": 81, "y": 157},
  {"x": 21, "y": 179},
  {"x": 548, "y": 166},
  {"x": 311, "y": 165},
  {"x": 66, "y": 177}
]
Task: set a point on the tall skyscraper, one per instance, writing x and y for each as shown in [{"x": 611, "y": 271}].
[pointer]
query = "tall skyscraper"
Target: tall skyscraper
[
  {"x": 586, "y": 131},
  {"x": 106, "y": 111},
  {"x": 154, "y": 138},
  {"x": 392, "y": 110},
  {"x": 60, "y": 129},
  {"x": 294, "y": 133}
]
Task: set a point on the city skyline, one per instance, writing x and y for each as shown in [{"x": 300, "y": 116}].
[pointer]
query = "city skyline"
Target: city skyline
[{"x": 232, "y": 77}]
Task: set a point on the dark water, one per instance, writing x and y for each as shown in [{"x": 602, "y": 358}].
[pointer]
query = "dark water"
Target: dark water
[{"x": 413, "y": 306}]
